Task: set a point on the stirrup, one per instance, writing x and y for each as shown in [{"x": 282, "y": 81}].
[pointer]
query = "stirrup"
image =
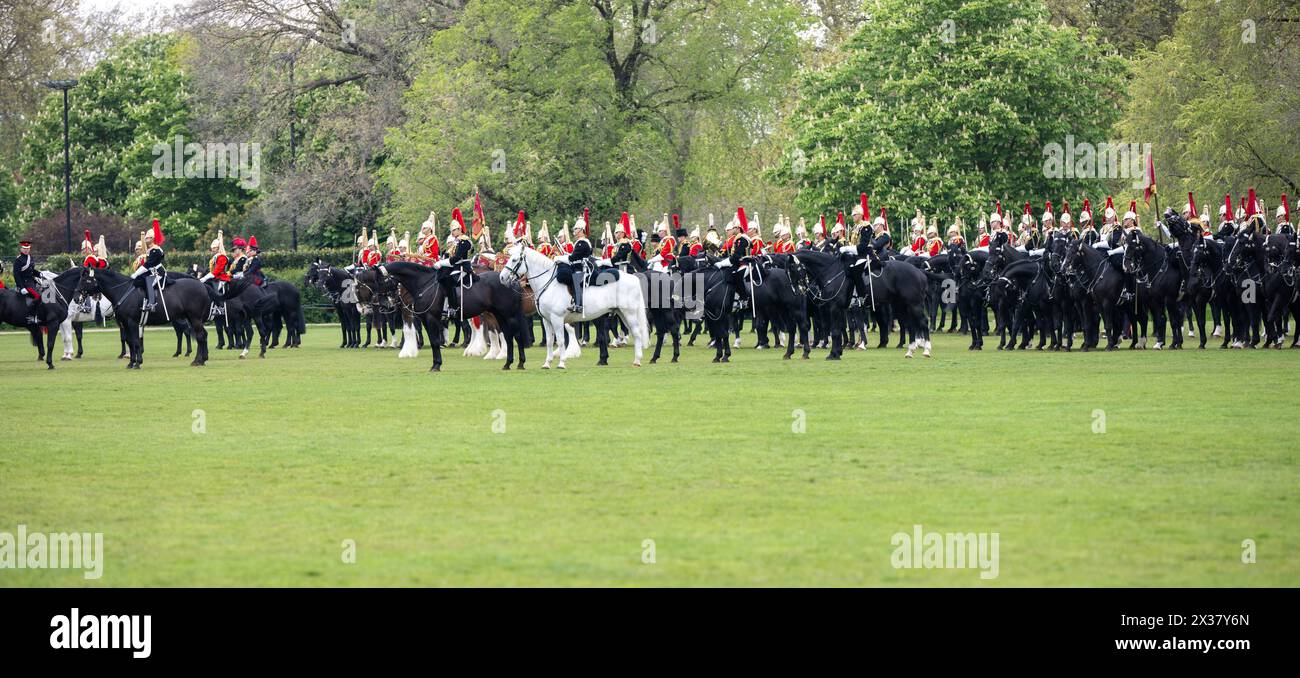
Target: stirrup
[{"x": 575, "y": 309}]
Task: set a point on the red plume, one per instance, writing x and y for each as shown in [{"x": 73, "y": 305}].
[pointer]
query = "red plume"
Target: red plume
[
  {"x": 744, "y": 223},
  {"x": 882, "y": 216},
  {"x": 520, "y": 224},
  {"x": 1133, "y": 206},
  {"x": 626, "y": 225},
  {"x": 866, "y": 210},
  {"x": 839, "y": 220},
  {"x": 457, "y": 218},
  {"x": 1110, "y": 204},
  {"x": 1191, "y": 203},
  {"x": 822, "y": 220},
  {"x": 1026, "y": 207},
  {"x": 1065, "y": 209},
  {"x": 252, "y": 242},
  {"x": 998, "y": 209},
  {"x": 586, "y": 215},
  {"x": 158, "y": 237},
  {"x": 87, "y": 231},
  {"x": 1252, "y": 206},
  {"x": 1286, "y": 209},
  {"x": 1087, "y": 206}
]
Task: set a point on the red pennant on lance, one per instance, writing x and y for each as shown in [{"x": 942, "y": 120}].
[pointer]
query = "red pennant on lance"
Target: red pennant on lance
[
  {"x": 1151, "y": 180},
  {"x": 476, "y": 228}
]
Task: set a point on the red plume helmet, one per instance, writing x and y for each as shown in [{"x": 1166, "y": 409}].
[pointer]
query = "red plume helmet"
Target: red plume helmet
[
  {"x": 1026, "y": 207},
  {"x": 866, "y": 209},
  {"x": 882, "y": 216},
  {"x": 586, "y": 215},
  {"x": 1252, "y": 206},
  {"x": 87, "y": 232},
  {"x": 158, "y": 237},
  {"x": 457, "y": 218},
  {"x": 520, "y": 222},
  {"x": 1286, "y": 209},
  {"x": 1133, "y": 206},
  {"x": 997, "y": 209},
  {"x": 839, "y": 220},
  {"x": 625, "y": 225},
  {"x": 744, "y": 222},
  {"x": 821, "y": 219},
  {"x": 252, "y": 242},
  {"x": 1087, "y": 206}
]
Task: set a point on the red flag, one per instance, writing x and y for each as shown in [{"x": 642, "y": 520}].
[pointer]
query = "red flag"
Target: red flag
[
  {"x": 476, "y": 228},
  {"x": 1151, "y": 180}
]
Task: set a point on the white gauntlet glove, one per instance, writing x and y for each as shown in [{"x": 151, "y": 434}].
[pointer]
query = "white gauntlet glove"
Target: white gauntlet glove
[
  {"x": 206, "y": 278},
  {"x": 138, "y": 272}
]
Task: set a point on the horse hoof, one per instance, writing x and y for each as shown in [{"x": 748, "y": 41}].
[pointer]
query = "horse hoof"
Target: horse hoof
[
  {"x": 49, "y": 366},
  {"x": 726, "y": 359},
  {"x": 505, "y": 368},
  {"x": 636, "y": 363},
  {"x": 785, "y": 357},
  {"x": 435, "y": 368},
  {"x": 560, "y": 366},
  {"x": 717, "y": 360},
  {"x": 654, "y": 360},
  {"x": 675, "y": 359},
  {"x": 909, "y": 355}
]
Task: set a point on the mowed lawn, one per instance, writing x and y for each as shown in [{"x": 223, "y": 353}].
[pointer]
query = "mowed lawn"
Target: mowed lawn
[{"x": 315, "y": 446}]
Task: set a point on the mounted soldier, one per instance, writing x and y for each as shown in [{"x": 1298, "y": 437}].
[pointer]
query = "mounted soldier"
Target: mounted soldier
[
  {"x": 427, "y": 250},
  {"x": 1284, "y": 225},
  {"x": 88, "y": 251},
  {"x": 101, "y": 253},
  {"x": 218, "y": 273},
  {"x": 544, "y": 245},
  {"x": 25, "y": 275},
  {"x": 1088, "y": 232},
  {"x": 150, "y": 273},
  {"x": 836, "y": 237},
  {"x": 456, "y": 266},
  {"x": 238, "y": 257},
  {"x": 574, "y": 268}
]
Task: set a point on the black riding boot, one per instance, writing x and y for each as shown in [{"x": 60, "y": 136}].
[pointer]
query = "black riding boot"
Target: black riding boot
[
  {"x": 38, "y": 309},
  {"x": 151, "y": 292},
  {"x": 577, "y": 286}
]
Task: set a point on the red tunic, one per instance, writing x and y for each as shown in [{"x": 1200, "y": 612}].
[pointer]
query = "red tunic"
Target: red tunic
[
  {"x": 784, "y": 247},
  {"x": 696, "y": 249},
  {"x": 936, "y": 246},
  {"x": 608, "y": 251},
  {"x": 374, "y": 258},
  {"x": 984, "y": 240},
  {"x": 217, "y": 266},
  {"x": 756, "y": 248},
  {"x": 567, "y": 248},
  {"x": 918, "y": 245},
  {"x": 546, "y": 250},
  {"x": 668, "y": 248},
  {"x": 429, "y": 249},
  {"x": 91, "y": 261}
]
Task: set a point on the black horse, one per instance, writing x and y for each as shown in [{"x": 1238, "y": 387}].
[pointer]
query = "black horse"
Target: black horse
[
  {"x": 426, "y": 300},
  {"x": 184, "y": 300},
  {"x": 1101, "y": 280},
  {"x": 340, "y": 286},
  {"x": 664, "y": 299},
  {"x": 713, "y": 290},
  {"x": 14, "y": 311},
  {"x": 971, "y": 300},
  {"x": 1025, "y": 283},
  {"x": 829, "y": 290},
  {"x": 779, "y": 300},
  {"x": 1159, "y": 273},
  {"x": 1280, "y": 290},
  {"x": 897, "y": 286}
]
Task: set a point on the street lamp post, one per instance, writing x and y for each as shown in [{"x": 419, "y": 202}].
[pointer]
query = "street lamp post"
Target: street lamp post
[
  {"x": 292, "y": 58},
  {"x": 65, "y": 85}
]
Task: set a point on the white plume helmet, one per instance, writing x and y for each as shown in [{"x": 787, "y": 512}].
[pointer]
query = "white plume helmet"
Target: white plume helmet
[
  {"x": 878, "y": 221},
  {"x": 803, "y": 229},
  {"x": 662, "y": 227},
  {"x": 1205, "y": 217},
  {"x": 405, "y": 244},
  {"x": 218, "y": 243},
  {"x": 995, "y": 218},
  {"x": 695, "y": 232},
  {"x": 543, "y": 235},
  {"x": 712, "y": 237},
  {"x": 1066, "y": 218},
  {"x": 1223, "y": 210},
  {"x": 710, "y": 219},
  {"x": 427, "y": 226},
  {"x": 101, "y": 248}
]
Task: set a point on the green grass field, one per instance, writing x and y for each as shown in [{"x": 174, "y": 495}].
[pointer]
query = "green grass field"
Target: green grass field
[{"x": 309, "y": 448}]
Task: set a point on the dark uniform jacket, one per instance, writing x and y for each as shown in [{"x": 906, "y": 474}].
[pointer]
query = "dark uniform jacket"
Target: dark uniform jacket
[
  {"x": 24, "y": 272},
  {"x": 253, "y": 270}
]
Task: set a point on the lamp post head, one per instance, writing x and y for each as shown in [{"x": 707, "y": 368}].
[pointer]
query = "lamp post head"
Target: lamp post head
[{"x": 59, "y": 84}]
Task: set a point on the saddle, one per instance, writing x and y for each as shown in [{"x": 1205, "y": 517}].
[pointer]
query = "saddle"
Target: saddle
[{"x": 602, "y": 275}]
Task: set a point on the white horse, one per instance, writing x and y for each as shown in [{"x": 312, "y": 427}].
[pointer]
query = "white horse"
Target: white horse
[{"x": 623, "y": 297}]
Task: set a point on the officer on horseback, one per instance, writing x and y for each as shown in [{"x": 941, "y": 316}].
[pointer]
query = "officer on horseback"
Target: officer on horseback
[
  {"x": 150, "y": 272},
  {"x": 456, "y": 266},
  {"x": 25, "y": 280},
  {"x": 253, "y": 268},
  {"x": 218, "y": 271},
  {"x": 577, "y": 259}
]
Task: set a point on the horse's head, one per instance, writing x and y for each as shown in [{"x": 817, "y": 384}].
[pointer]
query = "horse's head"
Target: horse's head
[
  {"x": 1135, "y": 250},
  {"x": 516, "y": 265},
  {"x": 87, "y": 284},
  {"x": 622, "y": 251},
  {"x": 312, "y": 277},
  {"x": 375, "y": 289},
  {"x": 1177, "y": 225}
]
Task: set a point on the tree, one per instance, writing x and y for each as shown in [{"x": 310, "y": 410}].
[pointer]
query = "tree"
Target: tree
[
  {"x": 948, "y": 105},
  {"x": 121, "y": 111},
  {"x": 557, "y": 106},
  {"x": 1220, "y": 100}
]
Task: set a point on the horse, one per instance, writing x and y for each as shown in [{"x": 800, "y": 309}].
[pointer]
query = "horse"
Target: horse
[
  {"x": 424, "y": 300},
  {"x": 830, "y": 292},
  {"x": 622, "y": 297},
  {"x": 92, "y": 310},
  {"x": 14, "y": 311},
  {"x": 897, "y": 285},
  {"x": 1279, "y": 287},
  {"x": 1026, "y": 283},
  {"x": 1159, "y": 273},
  {"x": 711, "y": 292},
  {"x": 776, "y": 296},
  {"x": 285, "y": 312},
  {"x": 341, "y": 287},
  {"x": 971, "y": 303},
  {"x": 1099, "y": 277},
  {"x": 663, "y": 291},
  {"x": 185, "y": 300}
]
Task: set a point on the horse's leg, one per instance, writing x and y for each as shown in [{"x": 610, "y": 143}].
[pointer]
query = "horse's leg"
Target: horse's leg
[
  {"x": 78, "y": 328},
  {"x": 179, "y": 339}
]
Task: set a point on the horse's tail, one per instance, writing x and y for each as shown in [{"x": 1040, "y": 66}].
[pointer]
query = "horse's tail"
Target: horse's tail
[{"x": 299, "y": 319}]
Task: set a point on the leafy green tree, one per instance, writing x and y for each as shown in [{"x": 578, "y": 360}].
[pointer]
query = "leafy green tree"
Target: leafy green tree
[
  {"x": 559, "y": 105},
  {"x": 948, "y": 105},
  {"x": 123, "y": 111},
  {"x": 1220, "y": 101}
]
